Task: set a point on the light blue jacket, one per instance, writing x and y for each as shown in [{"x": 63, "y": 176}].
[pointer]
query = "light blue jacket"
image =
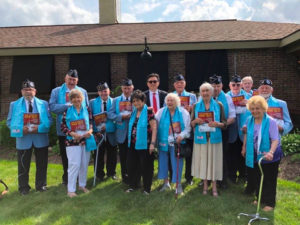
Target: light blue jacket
[
  {"x": 38, "y": 140},
  {"x": 59, "y": 109}
]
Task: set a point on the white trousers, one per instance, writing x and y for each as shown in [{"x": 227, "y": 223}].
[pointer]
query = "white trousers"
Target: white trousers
[{"x": 78, "y": 162}]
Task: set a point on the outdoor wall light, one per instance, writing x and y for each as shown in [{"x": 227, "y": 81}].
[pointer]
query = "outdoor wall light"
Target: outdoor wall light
[{"x": 146, "y": 55}]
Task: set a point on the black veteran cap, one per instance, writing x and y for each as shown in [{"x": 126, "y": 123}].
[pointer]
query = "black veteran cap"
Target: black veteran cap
[
  {"x": 178, "y": 77},
  {"x": 266, "y": 81},
  {"x": 102, "y": 86},
  {"x": 28, "y": 84},
  {"x": 126, "y": 82},
  {"x": 73, "y": 73},
  {"x": 215, "y": 79},
  {"x": 236, "y": 78}
]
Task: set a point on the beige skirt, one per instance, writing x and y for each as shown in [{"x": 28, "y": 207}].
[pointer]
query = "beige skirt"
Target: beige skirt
[{"x": 207, "y": 161}]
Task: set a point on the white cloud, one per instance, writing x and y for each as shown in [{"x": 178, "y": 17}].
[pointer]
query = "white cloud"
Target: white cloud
[
  {"x": 129, "y": 18},
  {"x": 39, "y": 12},
  {"x": 170, "y": 8}
]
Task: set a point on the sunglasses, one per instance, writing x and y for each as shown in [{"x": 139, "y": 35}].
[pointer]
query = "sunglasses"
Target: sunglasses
[
  {"x": 152, "y": 81},
  {"x": 233, "y": 85}
]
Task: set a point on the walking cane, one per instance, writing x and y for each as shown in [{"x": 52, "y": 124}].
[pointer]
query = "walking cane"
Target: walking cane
[
  {"x": 256, "y": 216},
  {"x": 178, "y": 152},
  {"x": 97, "y": 153}
]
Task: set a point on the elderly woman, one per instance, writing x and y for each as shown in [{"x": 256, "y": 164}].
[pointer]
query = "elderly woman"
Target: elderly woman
[
  {"x": 208, "y": 118},
  {"x": 179, "y": 118},
  {"x": 141, "y": 142},
  {"x": 77, "y": 125},
  {"x": 262, "y": 140}
]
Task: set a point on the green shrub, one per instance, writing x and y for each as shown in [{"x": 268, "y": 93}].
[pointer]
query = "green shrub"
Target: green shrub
[
  {"x": 5, "y": 139},
  {"x": 291, "y": 143}
]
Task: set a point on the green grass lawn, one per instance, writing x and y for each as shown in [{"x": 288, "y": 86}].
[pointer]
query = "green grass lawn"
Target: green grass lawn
[{"x": 108, "y": 204}]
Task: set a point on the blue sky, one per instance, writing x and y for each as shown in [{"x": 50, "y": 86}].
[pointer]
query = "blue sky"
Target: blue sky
[{"x": 49, "y": 12}]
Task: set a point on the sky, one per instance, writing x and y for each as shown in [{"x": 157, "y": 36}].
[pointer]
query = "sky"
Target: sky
[{"x": 52, "y": 12}]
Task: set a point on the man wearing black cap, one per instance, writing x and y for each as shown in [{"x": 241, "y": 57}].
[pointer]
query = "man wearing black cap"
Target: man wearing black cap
[
  {"x": 236, "y": 162},
  {"x": 120, "y": 112},
  {"x": 29, "y": 121},
  {"x": 229, "y": 109},
  {"x": 155, "y": 97},
  {"x": 59, "y": 103},
  {"x": 187, "y": 100},
  {"x": 103, "y": 126}
]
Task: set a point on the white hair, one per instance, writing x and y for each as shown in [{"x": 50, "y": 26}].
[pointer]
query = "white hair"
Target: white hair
[
  {"x": 247, "y": 78},
  {"x": 208, "y": 86},
  {"x": 175, "y": 97}
]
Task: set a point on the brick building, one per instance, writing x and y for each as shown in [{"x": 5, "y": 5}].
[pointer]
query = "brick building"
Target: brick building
[{"x": 109, "y": 51}]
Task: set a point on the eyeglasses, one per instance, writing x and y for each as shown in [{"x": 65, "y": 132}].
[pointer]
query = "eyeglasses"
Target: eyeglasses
[
  {"x": 152, "y": 81},
  {"x": 233, "y": 85}
]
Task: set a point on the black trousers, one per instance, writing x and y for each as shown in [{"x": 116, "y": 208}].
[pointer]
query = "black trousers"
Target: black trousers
[
  {"x": 64, "y": 158},
  {"x": 140, "y": 163},
  {"x": 123, "y": 149},
  {"x": 24, "y": 159},
  {"x": 111, "y": 160},
  {"x": 225, "y": 154},
  {"x": 268, "y": 195},
  {"x": 236, "y": 162},
  {"x": 188, "y": 162}
]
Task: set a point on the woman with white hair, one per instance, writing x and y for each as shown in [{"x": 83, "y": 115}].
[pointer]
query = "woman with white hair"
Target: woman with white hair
[
  {"x": 171, "y": 117},
  {"x": 208, "y": 118}
]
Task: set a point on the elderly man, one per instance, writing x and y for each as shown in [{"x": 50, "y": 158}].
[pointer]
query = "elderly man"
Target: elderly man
[
  {"x": 236, "y": 161},
  {"x": 187, "y": 100},
  {"x": 155, "y": 97},
  {"x": 120, "y": 113},
  {"x": 229, "y": 109},
  {"x": 103, "y": 126},
  {"x": 59, "y": 103},
  {"x": 283, "y": 118},
  {"x": 29, "y": 121}
]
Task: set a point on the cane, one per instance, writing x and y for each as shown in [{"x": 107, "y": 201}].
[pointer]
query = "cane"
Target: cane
[
  {"x": 256, "y": 216},
  {"x": 178, "y": 151},
  {"x": 96, "y": 163}
]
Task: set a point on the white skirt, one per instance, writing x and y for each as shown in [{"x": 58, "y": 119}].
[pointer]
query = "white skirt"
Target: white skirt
[{"x": 207, "y": 162}]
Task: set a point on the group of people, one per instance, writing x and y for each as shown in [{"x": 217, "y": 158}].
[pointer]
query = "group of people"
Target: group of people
[{"x": 228, "y": 134}]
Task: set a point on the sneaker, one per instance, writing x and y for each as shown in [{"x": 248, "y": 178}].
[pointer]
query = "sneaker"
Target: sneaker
[
  {"x": 179, "y": 189},
  {"x": 165, "y": 187}
]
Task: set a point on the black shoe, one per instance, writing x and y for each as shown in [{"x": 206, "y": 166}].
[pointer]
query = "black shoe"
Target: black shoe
[
  {"x": 42, "y": 189},
  {"x": 24, "y": 192},
  {"x": 190, "y": 182}
]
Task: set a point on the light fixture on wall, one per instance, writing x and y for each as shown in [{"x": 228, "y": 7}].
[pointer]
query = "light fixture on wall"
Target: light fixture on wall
[{"x": 146, "y": 55}]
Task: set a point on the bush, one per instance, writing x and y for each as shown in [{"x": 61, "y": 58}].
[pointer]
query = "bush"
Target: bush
[
  {"x": 291, "y": 143},
  {"x": 5, "y": 139}
]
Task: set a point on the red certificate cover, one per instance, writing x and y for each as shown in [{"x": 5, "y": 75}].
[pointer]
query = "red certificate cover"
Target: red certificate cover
[
  {"x": 237, "y": 100},
  {"x": 125, "y": 106},
  {"x": 31, "y": 118},
  {"x": 184, "y": 100},
  {"x": 78, "y": 125},
  {"x": 176, "y": 127},
  {"x": 275, "y": 112},
  {"x": 100, "y": 118},
  {"x": 206, "y": 116},
  {"x": 67, "y": 96},
  {"x": 255, "y": 92}
]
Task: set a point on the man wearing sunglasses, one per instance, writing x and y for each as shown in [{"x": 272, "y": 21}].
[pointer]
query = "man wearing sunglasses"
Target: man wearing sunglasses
[
  {"x": 236, "y": 162},
  {"x": 155, "y": 97},
  {"x": 59, "y": 103}
]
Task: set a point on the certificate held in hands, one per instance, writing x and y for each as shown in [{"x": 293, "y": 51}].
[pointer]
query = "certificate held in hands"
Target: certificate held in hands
[
  {"x": 206, "y": 117},
  {"x": 184, "y": 100},
  {"x": 277, "y": 114},
  {"x": 78, "y": 126},
  {"x": 31, "y": 119}
]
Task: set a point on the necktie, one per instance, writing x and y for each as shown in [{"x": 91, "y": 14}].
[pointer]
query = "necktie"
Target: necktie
[
  {"x": 104, "y": 106},
  {"x": 154, "y": 102},
  {"x": 30, "y": 106}
]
